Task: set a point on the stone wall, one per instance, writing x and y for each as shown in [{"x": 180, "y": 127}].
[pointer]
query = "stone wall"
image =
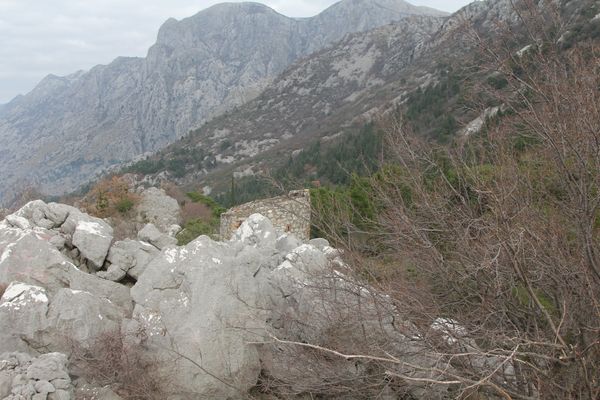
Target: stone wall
[{"x": 289, "y": 213}]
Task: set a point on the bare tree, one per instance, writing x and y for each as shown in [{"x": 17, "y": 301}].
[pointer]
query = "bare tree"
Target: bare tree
[{"x": 493, "y": 243}]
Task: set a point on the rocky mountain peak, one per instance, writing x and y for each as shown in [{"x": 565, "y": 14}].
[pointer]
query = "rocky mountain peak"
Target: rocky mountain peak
[
  {"x": 389, "y": 6},
  {"x": 215, "y": 21},
  {"x": 200, "y": 67}
]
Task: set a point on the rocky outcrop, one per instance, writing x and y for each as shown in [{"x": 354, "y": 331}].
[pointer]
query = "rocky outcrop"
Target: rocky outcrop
[
  {"x": 260, "y": 284},
  {"x": 152, "y": 235},
  {"x": 51, "y": 299},
  {"x": 157, "y": 208},
  {"x": 210, "y": 318},
  {"x": 200, "y": 67}
]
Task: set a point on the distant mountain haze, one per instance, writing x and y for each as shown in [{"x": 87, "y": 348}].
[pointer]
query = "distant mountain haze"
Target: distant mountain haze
[{"x": 69, "y": 129}]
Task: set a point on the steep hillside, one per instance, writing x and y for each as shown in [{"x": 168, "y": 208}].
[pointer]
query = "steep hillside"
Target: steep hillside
[
  {"x": 70, "y": 128},
  {"x": 332, "y": 92},
  {"x": 422, "y": 65}
]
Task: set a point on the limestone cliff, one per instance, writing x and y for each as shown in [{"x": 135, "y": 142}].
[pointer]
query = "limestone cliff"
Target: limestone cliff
[{"x": 70, "y": 128}]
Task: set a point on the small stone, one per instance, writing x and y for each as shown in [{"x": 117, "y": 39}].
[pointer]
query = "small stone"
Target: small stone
[
  {"x": 48, "y": 367},
  {"x": 58, "y": 241},
  {"x": 45, "y": 223},
  {"x": 152, "y": 235},
  {"x": 26, "y": 390},
  {"x": 113, "y": 273},
  {"x": 18, "y": 222},
  {"x": 60, "y": 395},
  {"x": 19, "y": 380},
  {"x": 74, "y": 254},
  {"x": 23, "y": 358},
  {"x": 40, "y": 396},
  {"x": 107, "y": 394},
  {"x": 64, "y": 384},
  {"x": 319, "y": 243},
  {"x": 44, "y": 387}
]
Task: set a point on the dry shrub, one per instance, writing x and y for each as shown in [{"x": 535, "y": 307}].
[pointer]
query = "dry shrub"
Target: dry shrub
[
  {"x": 111, "y": 361},
  {"x": 501, "y": 230},
  {"x": 190, "y": 210},
  {"x": 111, "y": 197},
  {"x": 175, "y": 192},
  {"x": 193, "y": 211}
]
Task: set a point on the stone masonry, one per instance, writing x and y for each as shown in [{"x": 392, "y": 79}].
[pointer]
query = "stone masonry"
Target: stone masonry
[{"x": 290, "y": 214}]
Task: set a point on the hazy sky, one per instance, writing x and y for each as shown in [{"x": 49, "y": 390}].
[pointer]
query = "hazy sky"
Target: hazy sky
[{"x": 39, "y": 37}]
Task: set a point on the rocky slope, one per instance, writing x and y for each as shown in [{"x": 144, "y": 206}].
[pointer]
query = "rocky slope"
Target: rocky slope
[
  {"x": 322, "y": 95},
  {"x": 70, "y": 128},
  {"x": 202, "y": 318},
  {"x": 314, "y": 96},
  {"x": 336, "y": 91}
]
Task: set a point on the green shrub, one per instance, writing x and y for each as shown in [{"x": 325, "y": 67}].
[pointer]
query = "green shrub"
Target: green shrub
[
  {"x": 216, "y": 208},
  {"x": 124, "y": 205},
  {"x": 201, "y": 226},
  {"x": 195, "y": 228}
]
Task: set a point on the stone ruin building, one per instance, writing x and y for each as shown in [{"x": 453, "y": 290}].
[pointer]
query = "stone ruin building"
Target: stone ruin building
[{"x": 290, "y": 214}]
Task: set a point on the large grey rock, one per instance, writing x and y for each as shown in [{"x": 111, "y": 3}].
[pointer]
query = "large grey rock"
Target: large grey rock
[
  {"x": 93, "y": 238},
  {"x": 37, "y": 213},
  {"x": 23, "y": 322},
  {"x": 212, "y": 290},
  {"x": 80, "y": 317},
  {"x": 152, "y": 235},
  {"x": 132, "y": 256},
  {"x": 114, "y": 292},
  {"x": 286, "y": 243},
  {"x": 256, "y": 231},
  {"x": 28, "y": 256},
  {"x": 157, "y": 208},
  {"x": 49, "y": 301},
  {"x": 31, "y": 321}
]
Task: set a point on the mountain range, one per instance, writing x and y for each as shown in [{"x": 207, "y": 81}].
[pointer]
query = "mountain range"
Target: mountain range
[{"x": 69, "y": 129}]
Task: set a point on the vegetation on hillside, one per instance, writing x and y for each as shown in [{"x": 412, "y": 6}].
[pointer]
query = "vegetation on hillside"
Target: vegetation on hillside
[
  {"x": 321, "y": 164},
  {"x": 196, "y": 225},
  {"x": 109, "y": 197},
  {"x": 498, "y": 234}
]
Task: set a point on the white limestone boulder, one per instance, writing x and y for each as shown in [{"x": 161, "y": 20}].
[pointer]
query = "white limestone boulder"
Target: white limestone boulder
[
  {"x": 159, "y": 209},
  {"x": 150, "y": 233},
  {"x": 93, "y": 238}
]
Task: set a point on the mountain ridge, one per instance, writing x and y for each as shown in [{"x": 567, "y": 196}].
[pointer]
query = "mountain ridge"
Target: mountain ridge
[{"x": 80, "y": 125}]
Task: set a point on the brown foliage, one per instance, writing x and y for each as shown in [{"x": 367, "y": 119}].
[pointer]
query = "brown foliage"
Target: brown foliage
[
  {"x": 499, "y": 232},
  {"x": 175, "y": 192},
  {"x": 110, "y": 197},
  {"x": 2, "y": 289},
  {"x": 111, "y": 361},
  {"x": 192, "y": 211}
]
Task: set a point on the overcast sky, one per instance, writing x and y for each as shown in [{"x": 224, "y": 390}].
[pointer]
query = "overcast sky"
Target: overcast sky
[{"x": 40, "y": 37}]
